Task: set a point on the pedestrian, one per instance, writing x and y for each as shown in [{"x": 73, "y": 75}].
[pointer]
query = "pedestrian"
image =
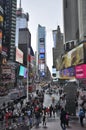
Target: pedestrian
[
  {"x": 63, "y": 119},
  {"x": 67, "y": 119},
  {"x": 51, "y": 109},
  {"x": 54, "y": 110},
  {"x": 81, "y": 116},
  {"x": 44, "y": 119}
]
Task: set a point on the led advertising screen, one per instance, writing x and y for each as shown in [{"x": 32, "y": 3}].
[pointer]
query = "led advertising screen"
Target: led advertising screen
[
  {"x": 73, "y": 57},
  {"x": 21, "y": 70},
  {"x": 42, "y": 50},
  {"x": 80, "y": 71},
  {"x": 19, "y": 55},
  {"x": 41, "y": 40},
  {"x": 42, "y": 56},
  {"x": 68, "y": 73},
  {"x": 25, "y": 72}
]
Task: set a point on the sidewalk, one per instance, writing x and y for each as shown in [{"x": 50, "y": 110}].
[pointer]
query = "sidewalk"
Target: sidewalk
[{"x": 54, "y": 124}]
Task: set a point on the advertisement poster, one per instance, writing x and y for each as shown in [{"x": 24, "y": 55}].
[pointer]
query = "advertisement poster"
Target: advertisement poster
[{"x": 80, "y": 71}]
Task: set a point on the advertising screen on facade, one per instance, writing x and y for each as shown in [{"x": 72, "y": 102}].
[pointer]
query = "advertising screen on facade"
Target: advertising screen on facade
[
  {"x": 68, "y": 73},
  {"x": 73, "y": 57},
  {"x": 80, "y": 71},
  {"x": 19, "y": 56},
  {"x": 42, "y": 56},
  {"x": 41, "y": 40},
  {"x": 0, "y": 34},
  {"x": 42, "y": 50},
  {"x": 21, "y": 70},
  {"x": 25, "y": 72},
  {"x": 1, "y": 18}
]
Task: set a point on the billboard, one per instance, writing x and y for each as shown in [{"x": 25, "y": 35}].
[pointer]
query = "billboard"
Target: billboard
[
  {"x": 25, "y": 72},
  {"x": 0, "y": 34},
  {"x": 1, "y": 18},
  {"x": 21, "y": 70},
  {"x": 42, "y": 40},
  {"x": 42, "y": 50},
  {"x": 73, "y": 57},
  {"x": 68, "y": 73},
  {"x": 19, "y": 56},
  {"x": 80, "y": 71},
  {"x": 42, "y": 56}
]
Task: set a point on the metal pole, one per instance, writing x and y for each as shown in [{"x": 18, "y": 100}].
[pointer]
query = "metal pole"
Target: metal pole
[
  {"x": 28, "y": 53},
  {"x": 27, "y": 81}
]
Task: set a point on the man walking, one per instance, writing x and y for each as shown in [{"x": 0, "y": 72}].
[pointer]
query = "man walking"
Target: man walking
[{"x": 63, "y": 119}]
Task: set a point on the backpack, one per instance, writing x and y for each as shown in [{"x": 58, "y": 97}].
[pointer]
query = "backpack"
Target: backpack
[{"x": 82, "y": 114}]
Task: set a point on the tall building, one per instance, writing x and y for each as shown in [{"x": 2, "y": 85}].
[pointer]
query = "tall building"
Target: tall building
[
  {"x": 9, "y": 27},
  {"x": 7, "y": 41},
  {"x": 70, "y": 17},
  {"x": 21, "y": 22},
  {"x": 82, "y": 19},
  {"x": 58, "y": 48},
  {"x": 24, "y": 42},
  {"x": 41, "y": 49}
]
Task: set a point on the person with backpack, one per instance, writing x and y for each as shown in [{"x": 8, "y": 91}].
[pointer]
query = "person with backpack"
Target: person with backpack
[{"x": 81, "y": 116}]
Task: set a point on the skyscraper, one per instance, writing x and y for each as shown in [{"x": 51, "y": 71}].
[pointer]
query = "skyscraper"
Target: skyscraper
[
  {"x": 58, "y": 48},
  {"x": 23, "y": 35},
  {"x": 41, "y": 49},
  {"x": 9, "y": 27},
  {"x": 82, "y": 19},
  {"x": 21, "y": 22},
  {"x": 70, "y": 17}
]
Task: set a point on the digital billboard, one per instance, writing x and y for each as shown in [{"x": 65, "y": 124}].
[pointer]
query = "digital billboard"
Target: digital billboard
[
  {"x": 73, "y": 57},
  {"x": 80, "y": 71},
  {"x": 42, "y": 56},
  {"x": 41, "y": 40},
  {"x": 19, "y": 55},
  {"x": 42, "y": 50},
  {"x": 21, "y": 70},
  {"x": 25, "y": 72},
  {"x": 68, "y": 73}
]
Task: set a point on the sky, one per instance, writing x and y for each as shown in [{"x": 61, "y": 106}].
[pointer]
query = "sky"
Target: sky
[{"x": 47, "y": 13}]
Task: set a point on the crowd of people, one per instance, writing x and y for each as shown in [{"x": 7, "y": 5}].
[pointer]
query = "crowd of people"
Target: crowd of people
[{"x": 33, "y": 112}]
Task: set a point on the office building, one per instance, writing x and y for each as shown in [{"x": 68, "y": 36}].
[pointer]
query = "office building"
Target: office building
[
  {"x": 70, "y": 18},
  {"x": 58, "y": 48},
  {"x": 82, "y": 19},
  {"x": 41, "y": 50},
  {"x": 9, "y": 27},
  {"x": 21, "y": 22}
]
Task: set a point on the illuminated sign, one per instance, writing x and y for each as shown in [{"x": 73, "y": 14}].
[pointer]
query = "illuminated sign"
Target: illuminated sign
[
  {"x": 21, "y": 71},
  {"x": 80, "y": 71},
  {"x": 42, "y": 50},
  {"x": 0, "y": 34},
  {"x": 1, "y": 18},
  {"x": 68, "y": 73},
  {"x": 42, "y": 56},
  {"x": 73, "y": 57},
  {"x": 19, "y": 55}
]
